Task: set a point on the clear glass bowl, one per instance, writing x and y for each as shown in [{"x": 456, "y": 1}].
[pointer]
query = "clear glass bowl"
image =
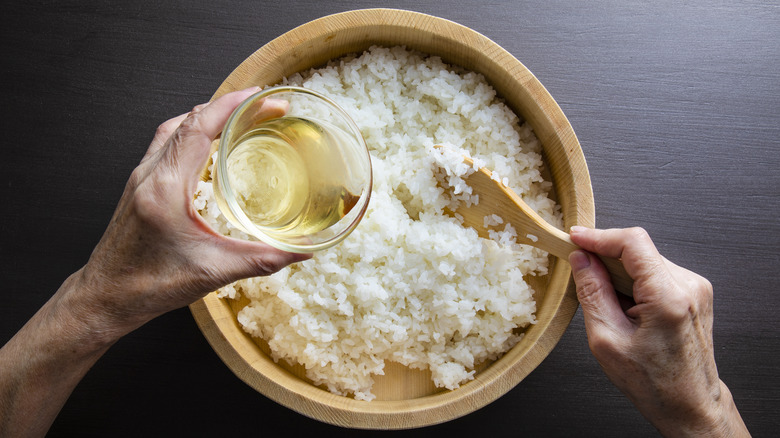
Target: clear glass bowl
[{"x": 293, "y": 170}]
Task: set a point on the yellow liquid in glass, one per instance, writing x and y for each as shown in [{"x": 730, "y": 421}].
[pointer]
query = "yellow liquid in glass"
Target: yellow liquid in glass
[{"x": 289, "y": 176}]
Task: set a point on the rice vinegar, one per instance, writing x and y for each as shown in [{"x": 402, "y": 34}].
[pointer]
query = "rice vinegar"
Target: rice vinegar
[{"x": 289, "y": 177}]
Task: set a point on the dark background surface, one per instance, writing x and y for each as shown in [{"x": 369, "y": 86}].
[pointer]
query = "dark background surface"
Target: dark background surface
[{"x": 677, "y": 108}]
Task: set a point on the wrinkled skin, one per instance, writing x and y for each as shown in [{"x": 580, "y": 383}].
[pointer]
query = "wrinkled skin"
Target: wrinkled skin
[
  {"x": 156, "y": 255},
  {"x": 658, "y": 349}
]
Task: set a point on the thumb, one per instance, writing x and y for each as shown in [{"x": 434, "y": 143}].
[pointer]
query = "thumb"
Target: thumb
[
  {"x": 600, "y": 305},
  {"x": 190, "y": 145},
  {"x": 244, "y": 259}
]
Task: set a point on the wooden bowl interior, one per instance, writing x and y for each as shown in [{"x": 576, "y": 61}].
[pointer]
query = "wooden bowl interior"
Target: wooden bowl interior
[{"x": 407, "y": 398}]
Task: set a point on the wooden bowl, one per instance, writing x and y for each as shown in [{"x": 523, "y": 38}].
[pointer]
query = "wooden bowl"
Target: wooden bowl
[{"x": 405, "y": 397}]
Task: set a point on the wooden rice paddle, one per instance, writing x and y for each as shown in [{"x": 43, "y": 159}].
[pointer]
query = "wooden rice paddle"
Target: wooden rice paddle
[{"x": 496, "y": 198}]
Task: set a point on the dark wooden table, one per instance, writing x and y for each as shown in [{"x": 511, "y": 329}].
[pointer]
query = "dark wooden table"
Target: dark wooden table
[{"x": 677, "y": 108}]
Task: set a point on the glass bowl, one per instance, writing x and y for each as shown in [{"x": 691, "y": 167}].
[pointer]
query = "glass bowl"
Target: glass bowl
[{"x": 292, "y": 170}]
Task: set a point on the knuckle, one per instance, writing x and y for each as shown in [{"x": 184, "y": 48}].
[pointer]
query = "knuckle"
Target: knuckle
[
  {"x": 146, "y": 205},
  {"x": 640, "y": 252},
  {"x": 638, "y": 235},
  {"x": 136, "y": 177},
  {"x": 603, "y": 346},
  {"x": 150, "y": 199},
  {"x": 587, "y": 286},
  {"x": 191, "y": 124},
  {"x": 589, "y": 294},
  {"x": 178, "y": 135},
  {"x": 598, "y": 344},
  {"x": 680, "y": 306},
  {"x": 703, "y": 286},
  {"x": 166, "y": 129},
  {"x": 704, "y": 294},
  {"x": 689, "y": 300},
  {"x": 163, "y": 131}
]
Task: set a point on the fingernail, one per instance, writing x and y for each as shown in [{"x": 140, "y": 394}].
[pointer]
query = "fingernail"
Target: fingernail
[
  {"x": 577, "y": 229},
  {"x": 579, "y": 260}
]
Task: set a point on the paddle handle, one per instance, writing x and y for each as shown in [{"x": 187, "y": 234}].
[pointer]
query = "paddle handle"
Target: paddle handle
[
  {"x": 542, "y": 235},
  {"x": 531, "y": 228},
  {"x": 560, "y": 245}
]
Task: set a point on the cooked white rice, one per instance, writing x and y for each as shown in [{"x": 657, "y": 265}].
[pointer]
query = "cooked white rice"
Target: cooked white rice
[{"x": 410, "y": 284}]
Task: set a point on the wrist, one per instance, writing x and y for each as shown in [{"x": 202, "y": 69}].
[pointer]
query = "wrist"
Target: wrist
[
  {"x": 725, "y": 420},
  {"x": 81, "y": 317},
  {"x": 46, "y": 359},
  {"x": 720, "y": 419}
]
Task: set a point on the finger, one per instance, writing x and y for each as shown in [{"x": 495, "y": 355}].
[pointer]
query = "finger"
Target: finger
[
  {"x": 700, "y": 288},
  {"x": 162, "y": 135},
  {"x": 199, "y": 107},
  {"x": 192, "y": 140},
  {"x": 262, "y": 259},
  {"x": 243, "y": 259},
  {"x": 600, "y": 305},
  {"x": 636, "y": 251},
  {"x": 271, "y": 109},
  {"x": 209, "y": 119},
  {"x": 632, "y": 246}
]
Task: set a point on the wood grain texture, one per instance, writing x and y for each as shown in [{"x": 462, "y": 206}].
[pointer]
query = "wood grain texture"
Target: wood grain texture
[
  {"x": 497, "y": 199},
  {"x": 420, "y": 404},
  {"x": 675, "y": 106}
]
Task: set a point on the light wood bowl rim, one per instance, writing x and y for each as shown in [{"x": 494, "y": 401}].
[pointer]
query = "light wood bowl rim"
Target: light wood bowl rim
[{"x": 512, "y": 79}]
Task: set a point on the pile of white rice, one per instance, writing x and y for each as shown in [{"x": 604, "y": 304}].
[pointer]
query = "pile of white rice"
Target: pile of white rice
[{"x": 410, "y": 284}]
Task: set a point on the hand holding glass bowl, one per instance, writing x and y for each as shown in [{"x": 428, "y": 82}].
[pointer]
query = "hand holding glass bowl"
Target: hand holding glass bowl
[{"x": 292, "y": 170}]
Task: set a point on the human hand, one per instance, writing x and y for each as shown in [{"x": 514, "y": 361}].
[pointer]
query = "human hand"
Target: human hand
[
  {"x": 157, "y": 253},
  {"x": 657, "y": 350}
]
